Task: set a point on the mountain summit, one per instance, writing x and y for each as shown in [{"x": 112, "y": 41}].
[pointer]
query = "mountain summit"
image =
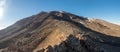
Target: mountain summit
[{"x": 60, "y": 31}]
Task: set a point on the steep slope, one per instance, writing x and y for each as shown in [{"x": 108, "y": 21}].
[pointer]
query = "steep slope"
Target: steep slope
[{"x": 59, "y": 31}]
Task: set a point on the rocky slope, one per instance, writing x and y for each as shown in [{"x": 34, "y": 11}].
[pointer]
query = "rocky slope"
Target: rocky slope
[{"x": 59, "y": 31}]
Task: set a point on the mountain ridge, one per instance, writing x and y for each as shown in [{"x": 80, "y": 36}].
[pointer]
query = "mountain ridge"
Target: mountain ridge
[{"x": 43, "y": 31}]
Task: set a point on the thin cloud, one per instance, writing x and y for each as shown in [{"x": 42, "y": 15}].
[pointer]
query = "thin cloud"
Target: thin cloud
[{"x": 2, "y": 4}]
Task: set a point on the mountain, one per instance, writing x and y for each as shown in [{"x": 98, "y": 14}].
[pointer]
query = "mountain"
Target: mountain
[{"x": 60, "y": 31}]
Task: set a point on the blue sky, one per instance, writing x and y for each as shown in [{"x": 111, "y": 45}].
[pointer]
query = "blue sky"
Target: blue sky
[{"x": 15, "y": 10}]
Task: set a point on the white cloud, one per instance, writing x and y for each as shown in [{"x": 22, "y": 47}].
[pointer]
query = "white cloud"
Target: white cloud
[
  {"x": 2, "y": 2},
  {"x": 2, "y": 5},
  {"x": 2, "y": 27}
]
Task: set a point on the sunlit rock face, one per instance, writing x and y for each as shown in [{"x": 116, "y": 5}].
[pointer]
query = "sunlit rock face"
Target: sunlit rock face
[{"x": 60, "y": 31}]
